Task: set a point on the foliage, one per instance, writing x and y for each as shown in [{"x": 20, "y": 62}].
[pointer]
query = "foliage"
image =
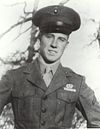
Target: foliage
[{"x": 6, "y": 118}]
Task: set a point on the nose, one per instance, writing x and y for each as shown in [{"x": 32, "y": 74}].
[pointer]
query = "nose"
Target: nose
[{"x": 54, "y": 43}]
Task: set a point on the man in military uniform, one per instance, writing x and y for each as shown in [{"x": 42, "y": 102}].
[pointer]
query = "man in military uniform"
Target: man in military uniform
[{"x": 44, "y": 94}]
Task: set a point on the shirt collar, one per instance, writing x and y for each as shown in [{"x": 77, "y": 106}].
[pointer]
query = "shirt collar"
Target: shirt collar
[{"x": 43, "y": 66}]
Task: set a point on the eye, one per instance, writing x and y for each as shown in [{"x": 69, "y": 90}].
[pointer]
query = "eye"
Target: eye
[
  {"x": 49, "y": 35},
  {"x": 63, "y": 39}
]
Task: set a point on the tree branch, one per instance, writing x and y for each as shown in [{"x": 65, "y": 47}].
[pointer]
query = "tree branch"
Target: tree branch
[
  {"x": 17, "y": 24},
  {"x": 25, "y": 12},
  {"x": 97, "y": 35},
  {"x": 24, "y": 18},
  {"x": 92, "y": 42},
  {"x": 15, "y": 4},
  {"x": 16, "y": 59},
  {"x": 22, "y": 33},
  {"x": 63, "y": 2}
]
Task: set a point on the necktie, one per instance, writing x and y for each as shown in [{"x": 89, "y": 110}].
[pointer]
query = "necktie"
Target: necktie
[{"x": 47, "y": 76}]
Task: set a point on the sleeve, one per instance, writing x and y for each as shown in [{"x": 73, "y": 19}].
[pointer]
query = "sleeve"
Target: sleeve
[
  {"x": 89, "y": 106},
  {"x": 5, "y": 90}
]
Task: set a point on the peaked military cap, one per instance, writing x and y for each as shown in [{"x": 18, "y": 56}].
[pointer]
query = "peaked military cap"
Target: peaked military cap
[{"x": 57, "y": 19}]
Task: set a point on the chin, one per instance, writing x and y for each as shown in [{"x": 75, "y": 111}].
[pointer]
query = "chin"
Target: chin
[{"x": 51, "y": 60}]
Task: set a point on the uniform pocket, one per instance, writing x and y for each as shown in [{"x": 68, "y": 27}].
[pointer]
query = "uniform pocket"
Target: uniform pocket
[
  {"x": 26, "y": 91},
  {"x": 66, "y": 96},
  {"x": 65, "y": 107},
  {"x": 25, "y": 104}
]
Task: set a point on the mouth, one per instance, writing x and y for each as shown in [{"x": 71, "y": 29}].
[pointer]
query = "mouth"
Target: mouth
[{"x": 52, "y": 52}]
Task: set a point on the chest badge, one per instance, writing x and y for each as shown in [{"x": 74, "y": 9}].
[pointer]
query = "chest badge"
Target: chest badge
[{"x": 69, "y": 87}]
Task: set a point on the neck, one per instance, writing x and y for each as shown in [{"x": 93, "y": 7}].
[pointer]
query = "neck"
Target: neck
[{"x": 43, "y": 65}]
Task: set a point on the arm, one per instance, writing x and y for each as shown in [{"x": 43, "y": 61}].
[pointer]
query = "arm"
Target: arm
[
  {"x": 89, "y": 106},
  {"x": 5, "y": 90}
]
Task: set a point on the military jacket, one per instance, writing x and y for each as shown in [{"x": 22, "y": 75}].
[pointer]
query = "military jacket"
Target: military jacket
[{"x": 37, "y": 107}]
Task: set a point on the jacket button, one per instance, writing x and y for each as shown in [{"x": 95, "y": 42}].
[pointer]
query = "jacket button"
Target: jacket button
[
  {"x": 45, "y": 97},
  {"x": 43, "y": 110},
  {"x": 43, "y": 123}
]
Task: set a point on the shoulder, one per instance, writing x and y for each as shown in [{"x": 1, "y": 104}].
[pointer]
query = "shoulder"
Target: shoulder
[
  {"x": 74, "y": 77},
  {"x": 72, "y": 73},
  {"x": 19, "y": 70}
]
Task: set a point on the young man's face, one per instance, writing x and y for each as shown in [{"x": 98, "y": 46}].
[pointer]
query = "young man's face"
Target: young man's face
[{"x": 52, "y": 46}]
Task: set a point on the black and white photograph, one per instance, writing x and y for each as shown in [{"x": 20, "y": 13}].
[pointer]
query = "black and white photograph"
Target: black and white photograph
[{"x": 49, "y": 64}]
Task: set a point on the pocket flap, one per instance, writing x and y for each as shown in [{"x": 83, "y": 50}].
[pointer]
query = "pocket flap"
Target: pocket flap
[
  {"x": 66, "y": 96},
  {"x": 23, "y": 93}
]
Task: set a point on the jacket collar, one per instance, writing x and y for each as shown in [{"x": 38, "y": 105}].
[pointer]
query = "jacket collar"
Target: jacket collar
[
  {"x": 34, "y": 76},
  {"x": 43, "y": 66}
]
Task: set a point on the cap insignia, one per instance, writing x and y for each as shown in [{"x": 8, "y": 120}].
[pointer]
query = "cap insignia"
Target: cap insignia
[{"x": 56, "y": 10}]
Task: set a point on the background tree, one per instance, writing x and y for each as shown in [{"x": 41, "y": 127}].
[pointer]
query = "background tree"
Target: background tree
[{"x": 96, "y": 35}]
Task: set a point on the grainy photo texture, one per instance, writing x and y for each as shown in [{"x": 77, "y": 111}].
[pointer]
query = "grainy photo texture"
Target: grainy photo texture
[{"x": 49, "y": 64}]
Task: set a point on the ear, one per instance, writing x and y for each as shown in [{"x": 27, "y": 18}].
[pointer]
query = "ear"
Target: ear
[{"x": 67, "y": 44}]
